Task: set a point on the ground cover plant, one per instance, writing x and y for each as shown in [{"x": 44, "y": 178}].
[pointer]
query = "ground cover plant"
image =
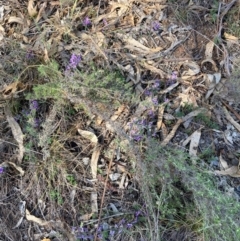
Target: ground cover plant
[{"x": 119, "y": 120}]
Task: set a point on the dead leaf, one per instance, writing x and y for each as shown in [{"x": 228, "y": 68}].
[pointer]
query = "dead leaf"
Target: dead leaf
[
  {"x": 88, "y": 135},
  {"x": 16, "y": 131},
  {"x": 46, "y": 239},
  {"x": 41, "y": 11},
  {"x": 193, "y": 69},
  {"x": 13, "y": 165},
  {"x": 94, "y": 161},
  {"x": 160, "y": 116},
  {"x": 94, "y": 202},
  {"x": 232, "y": 171},
  {"x": 13, "y": 89},
  {"x": 32, "y": 11},
  {"x": 19, "y": 169},
  {"x": 211, "y": 80},
  {"x": 34, "y": 219},
  {"x": 195, "y": 138},
  {"x": 230, "y": 119},
  {"x": 14, "y": 19},
  {"x": 223, "y": 163},
  {"x": 118, "y": 112},
  {"x": 209, "y": 50},
  {"x": 85, "y": 217}
]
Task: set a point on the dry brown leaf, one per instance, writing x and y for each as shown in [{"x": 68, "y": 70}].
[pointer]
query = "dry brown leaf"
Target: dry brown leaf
[
  {"x": 94, "y": 162},
  {"x": 232, "y": 171},
  {"x": 32, "y": 11},
  {"x": 14, "y": 19},
  {"x": 17, "y": 132},
  {"x": 179, "y": 122},
  {"x": 211, "y": 81},
  {"x": 19, "y": 169},
  {"x": 85, "y": 217},
  {"x": 209, "y": 50},
  {"x": 132, "y": 42},
  {"x": 118, "y": 112},
  {"x": 223, "y": 163},
  {"x": 13, "y": 165},
  {"x": 160, "y": 116},
  {"x": 170, "y": 88},
  {"x": 46, "y": 239},
  {"x": 41, "y": 11},
  {"x": 230, "y": 37},
  {"x": 153, "y": 69},
  {"x": 193, "y": 69},
  {"x": 34, "y": 219},
  {"x": 195, "y": 138},
  {"x": 88, "y": 135},
  {"x": 13, "y": 89},
  {"x": 230, "y": 119},
  {"x": 94, "y": 202}
]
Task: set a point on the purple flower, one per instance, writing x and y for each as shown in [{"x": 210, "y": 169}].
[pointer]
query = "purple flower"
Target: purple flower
[
  {"x": 137, "y": 213},
  {"x": 86, "y": 22},
  {"x": 156, "y": 26},
  {"x": 147, "y": 92},
  {"x": 105, "y": 22},
  {"x": 29, "y": 55},
  {"x": 1, "y": 170},
  {"x": 74, "y": 61},
  {"x": 36, "y": 123},
  {"x": 129, "y": 225},
  {"x": 156, "y": 84},
  {"x": 111, "y": 233},
  {"x": 34, "y": 105},
  {"x": 155, "y": 100}
]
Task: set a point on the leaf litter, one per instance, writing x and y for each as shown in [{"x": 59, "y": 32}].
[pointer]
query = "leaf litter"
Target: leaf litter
[{"x": 73, "y": 165}]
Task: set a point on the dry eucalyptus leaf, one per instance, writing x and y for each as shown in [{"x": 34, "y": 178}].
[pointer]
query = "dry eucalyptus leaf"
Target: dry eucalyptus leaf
[
  {"x": 94, "y": 203},
  {"x": 34, "y": 219},
  {"x": 195, "y": 138},
  {"x": 209, "y": 50},
  {"x": 85, "y": 217},
  {"x": 223, "y": 163},
  {"x": 32, "y": 11},
  {"x": 211, "y": 82},
  {"x": 232, "y": 171},
  {"x": 160, "y": 116},
  {"x": 14, "y": 88},
  {"x": 230, "y": 119},
  {"x": 88, "y": 135},
  {"x": 14, "y": 19},
  {"x": 118, "y": 112},
  {"x": 94, "y": 162},
  {"x": 114, "y": 176},
  {"x": 17, "y": 132},
  {"x": 193, "y": 69},
  {"x": 19, "y": 169}
]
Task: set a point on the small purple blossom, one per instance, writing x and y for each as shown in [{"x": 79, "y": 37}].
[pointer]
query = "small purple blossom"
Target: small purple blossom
[
  {"x": 156, "y": 84},
  {"x": 1, "y": 170},
  {"x": 36, "y": 123},
  {"x": 74, "y": 61},
  {"x": 34, "y": 105},
  {"x": 86, "y": 22},
  {"x": 156, "y": 26},
  {"x": 155, "y": 100},
  {"x": 129, "y": 225},
  {"x": 105, "y": 22},
  {"x": 147, "y": 92},
  {"x": 30, "y": 55},
  {"x": 111, "y": 233}
]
